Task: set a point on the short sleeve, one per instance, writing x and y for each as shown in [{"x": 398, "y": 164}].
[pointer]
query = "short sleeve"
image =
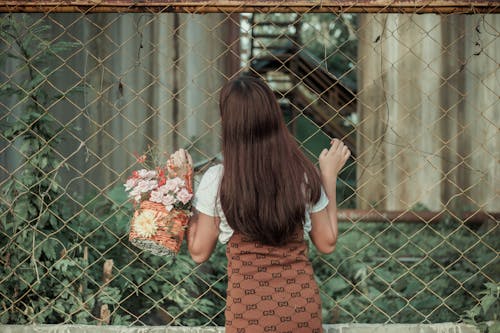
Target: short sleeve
[
  {"x": 321, "y": 204},
  {"x": 205, "y": 198}
]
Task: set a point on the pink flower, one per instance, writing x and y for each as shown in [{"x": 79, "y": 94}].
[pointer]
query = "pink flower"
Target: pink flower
[
  {"x": 168, "y": 201},
  {"x": 163, "y": 190},
  {"x": 141, "y": 159},
  {"x": 136, "y": 195},
  {"x": 156, "y": 196},
  {"x": 131, "y": 182},
  {"x": 174, "y": 184},
  {"x": 164, "y": 184},
  {"x": 184, "y": 196},
  {"x": 146, "y": 174},
  {"x": 144, "y": 186}
]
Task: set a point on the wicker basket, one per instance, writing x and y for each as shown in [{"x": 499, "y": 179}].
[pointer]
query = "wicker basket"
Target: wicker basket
[{"x": 169, "y": 233}]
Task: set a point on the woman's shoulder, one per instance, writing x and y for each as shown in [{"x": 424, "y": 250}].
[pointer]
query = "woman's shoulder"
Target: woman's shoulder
[
  {"x": 214, "y": 171},
  {"x": 212, "y": 176}
]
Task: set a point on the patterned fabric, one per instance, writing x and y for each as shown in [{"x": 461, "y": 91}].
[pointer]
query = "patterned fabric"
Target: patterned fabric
[{"x": 271, "y": 289}]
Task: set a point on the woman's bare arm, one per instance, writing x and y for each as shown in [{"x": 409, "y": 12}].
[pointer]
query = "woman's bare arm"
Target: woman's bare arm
[
  {"x": 324, "y": 223},
  {"x": 202, "y": 236}
]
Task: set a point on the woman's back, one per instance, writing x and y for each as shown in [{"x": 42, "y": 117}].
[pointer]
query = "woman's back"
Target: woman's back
[{"x": 267, "y": 181}]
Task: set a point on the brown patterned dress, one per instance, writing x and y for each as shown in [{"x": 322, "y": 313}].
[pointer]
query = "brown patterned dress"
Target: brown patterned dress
[{"x": 271, "y": 289}]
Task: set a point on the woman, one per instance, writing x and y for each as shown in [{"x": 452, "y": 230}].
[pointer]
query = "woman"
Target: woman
[{"x": 261, "y": 201}]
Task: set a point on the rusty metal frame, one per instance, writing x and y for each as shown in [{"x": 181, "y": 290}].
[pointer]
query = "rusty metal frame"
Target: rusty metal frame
[
  {"x": 233, "y": 6},
  {"x": 409, "y": 216}
]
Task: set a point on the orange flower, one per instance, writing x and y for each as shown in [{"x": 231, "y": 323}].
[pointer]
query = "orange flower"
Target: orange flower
[
  {"x": 161, "y": 177},
  {"x": 140, "y": 158}
]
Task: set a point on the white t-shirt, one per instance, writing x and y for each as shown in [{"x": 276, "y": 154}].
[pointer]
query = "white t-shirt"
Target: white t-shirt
[{"x": 207, "y": 201}]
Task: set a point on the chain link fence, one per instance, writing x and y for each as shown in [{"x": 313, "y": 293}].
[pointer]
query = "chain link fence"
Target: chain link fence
[{"x": 84, "y": 88}]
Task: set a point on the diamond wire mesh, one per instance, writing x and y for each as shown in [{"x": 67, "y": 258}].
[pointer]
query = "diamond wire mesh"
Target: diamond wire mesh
[{"x": 414, "y": 96}]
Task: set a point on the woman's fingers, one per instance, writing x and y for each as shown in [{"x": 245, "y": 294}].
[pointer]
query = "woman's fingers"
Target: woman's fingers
[
  {"x": 323, "y": 158},
  {"x": 346, "y": 152},
  {"x": 337, "y": 148},
  {"x": 339, "y": 151},
  {"x": 336, "y": 143},
  {"x": 333, "y": 159}
]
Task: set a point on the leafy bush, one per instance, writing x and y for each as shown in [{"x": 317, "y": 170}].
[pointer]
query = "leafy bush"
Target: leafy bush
[
  {"x": 486, "y": 314},
  {"x": 405, "y": 273},
  {"x": 145, "y": 289},
  {"x": 32, "y": 212},
  {"x": 379, "y": 272}
]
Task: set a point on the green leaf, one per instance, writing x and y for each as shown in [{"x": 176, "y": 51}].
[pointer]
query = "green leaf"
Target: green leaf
[
  {"x": 493, "y": 288},
  {"x": 63, "y": 264},
  {"x": 13, "y": 130},
  {"x": 21, "y": 210},
  {"x": 110, "y": 295},
  {"x": 25, "y": 147},
  {"x": 32, "y": 209},
  {"x": 336, "y": 285},
  {"x": 43, "y": 162},
  {"x": 473, "y": 313},
  {"x": 90, "y": 302},
  {"x": 487, "y": 301},
  {"x": 150, "y": 287},
  {"x": 49, "y": 250},
  {"x": 60, "y": 47},
  {"x": 494, "y": 327},
  {"x": 7, "y": 90},
  {"x": 59, "y": 306},
  {"x": 4, "y": 317},
  {"x": 14, "y": 56},
  {"x": 82, "y": 317},
  {"x": 120, "y": 320},
  {"x": 54, "y": 186}
]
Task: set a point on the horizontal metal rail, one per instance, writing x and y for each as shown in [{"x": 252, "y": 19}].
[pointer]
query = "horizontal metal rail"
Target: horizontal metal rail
[
  {"x": 299, "y": 6},
  {"x": 372, "y": 215}
]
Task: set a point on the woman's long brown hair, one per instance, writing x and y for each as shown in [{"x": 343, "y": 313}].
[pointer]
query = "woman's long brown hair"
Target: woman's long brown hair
[{"x": 267, "y": 180}]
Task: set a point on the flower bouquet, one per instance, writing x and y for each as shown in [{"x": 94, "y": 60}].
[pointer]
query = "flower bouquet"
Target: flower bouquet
[{"x": 162, "y": 197}]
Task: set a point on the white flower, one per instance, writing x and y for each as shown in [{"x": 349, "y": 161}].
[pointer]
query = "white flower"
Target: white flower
[
  {"x": 146, "y": 174},
  {"x": 131, "y": 182},
  {"x": 168, "y": 201},
  {"x": 144, "y": 186},
  {"x": 163, "y": 189},
  {"x": 184, "y": 196},
  {"x": 136, "y": 194},
  {"x": 156, "y": 196},
  {"x": 173, "y": 184},
  {"x": 145, "y": 224}
]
